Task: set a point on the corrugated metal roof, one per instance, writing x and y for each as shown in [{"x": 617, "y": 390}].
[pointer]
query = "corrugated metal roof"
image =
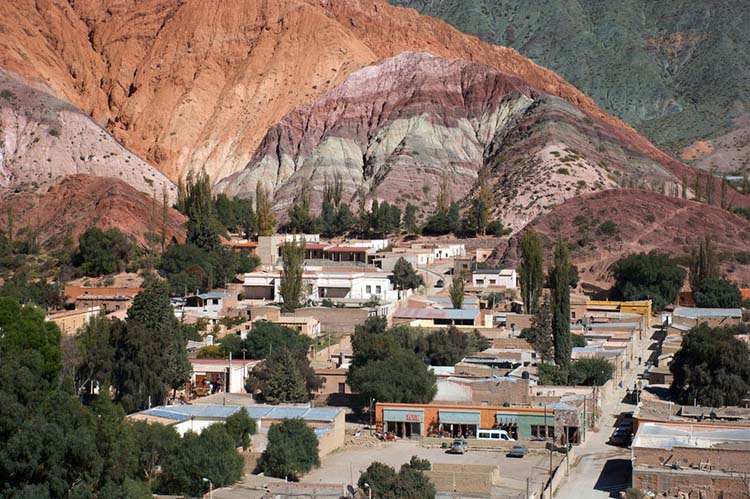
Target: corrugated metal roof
[
  {"x": 696, "y": 313},
  {"x": 214, "y": 294},
  {"x": 183, "y": 412},
  {"x": 607, "y": 325},
  {"x": 437, "y": 313},
  {"x": 663, "y": 436},
  {"x": 446, "y": 299}
]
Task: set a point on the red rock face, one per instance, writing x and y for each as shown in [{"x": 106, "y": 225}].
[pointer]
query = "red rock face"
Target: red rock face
[
  {"x": 78, "y": 202},
  {"x": 394, "y": 130},
  {"x": 196, "y": 84},
  {"x": 643, "y": 221}
]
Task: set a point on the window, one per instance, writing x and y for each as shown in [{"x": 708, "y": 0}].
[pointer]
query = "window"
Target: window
[
  {"x": 368, "y": 290},
  {"x": 378, "y": 289},
  {"x": 537, "y": 431},
  {"x": 495, "y": 436},
  {"x": 492, "y": 281},
  {"x": 342, "y": 387}
]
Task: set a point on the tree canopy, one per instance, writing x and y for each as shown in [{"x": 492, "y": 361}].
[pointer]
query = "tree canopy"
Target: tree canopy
[
  {"x": 292, "y": 450},
  {"x": 404, "y": 275},
  {"x": 285, "y": 377},
  {"x": 712, "y": 368},
  {"x": 531, "y": 270},
  {"x": 103, "y": 252},
  {"x": 559, "y": 277},
  {"x": 409, "y": 482},
  {"x": 715, "y": 292},
  {"x": 643, "y": 276}
]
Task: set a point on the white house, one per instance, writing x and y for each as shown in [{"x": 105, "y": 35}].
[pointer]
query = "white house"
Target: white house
[
  {"x": 324, "y": 284},
  {"x": 210, "y": 305},
  {"x": 448, "y": 251},
  {"x": 495, "y": 278}
]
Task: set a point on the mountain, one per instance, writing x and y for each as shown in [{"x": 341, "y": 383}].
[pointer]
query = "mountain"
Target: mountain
[
  {"x": 43, "y": 138},
  {"x": 76, "y": 202},
  {"x": 395, "y": 129},
  {"x": 678, "y": 71},
  {"x": 195, "y": 85},
  {"x": 602, "y": 227}
]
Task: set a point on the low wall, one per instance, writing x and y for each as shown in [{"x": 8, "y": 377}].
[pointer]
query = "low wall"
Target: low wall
[
  {"x": 487, "y": 445},
  {"x": 464, "y": 478},
  {"x": 558, "y": 476}
]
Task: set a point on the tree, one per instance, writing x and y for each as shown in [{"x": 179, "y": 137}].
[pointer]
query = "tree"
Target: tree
[
  {"x": 265, "y": 338},
  {"x": 715, "y": 292},
  {"x": 94, "y": 342},
  {"x": 404, "y": 276},
  {"x": 300, "y": 219},
  {"x": 279, "y": 380},
  {"x": 724, "y": 192},
  {"x": 560, "y": 301},
  {"x": 241, "y": 427},
  {"x": 445, "y": 347},
  {"x": 704, "y": 264},
  {"x": 456, "y": 290},
  {"x": 482, "y": 205},
  {"x": 410, "y": 219},
  {"x": 291, "y": 287},
  {"x": 595, "y": 371},
  {"x": 401, "y": 377},
  {"x": 203, "y": 228},
  {"x": 540, "y": 332},
  {"x": 644, "y": 276},
  {"x": 292, "y": 450},
  {"x": 102, "y": 253},
  {"x": 264, "y": 210},
  {"x": 531, "y": 270},
  {"x": 445, "y": 196},
  {"x": 409, "y": 482},
  {"x": 712, "y": 368}
]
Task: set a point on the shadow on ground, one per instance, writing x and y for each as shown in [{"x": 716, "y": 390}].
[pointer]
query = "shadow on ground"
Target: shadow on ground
[{"x": 615, "y": 477}]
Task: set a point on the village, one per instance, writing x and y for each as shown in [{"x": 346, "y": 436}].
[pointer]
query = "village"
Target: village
[{"x": 496, "y": 425}]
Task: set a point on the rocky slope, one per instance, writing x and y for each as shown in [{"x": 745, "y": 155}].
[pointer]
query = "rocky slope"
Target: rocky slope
[
  {"x": 396, "y": 128},
  {"x": 602, "y": 227},
  {"x": 77, "y": 202},
  {"x": 43, "y": 138},
  {"x": 678, "y": 71},
  {"x": 195, "y": 84}
]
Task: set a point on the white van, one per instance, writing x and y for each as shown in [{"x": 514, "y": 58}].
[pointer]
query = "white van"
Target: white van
[{"x": 494, "y": 435}]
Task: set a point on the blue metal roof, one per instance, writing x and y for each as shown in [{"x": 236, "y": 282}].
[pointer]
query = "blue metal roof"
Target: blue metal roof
[
  {"x": 184, "y": 412},
  {"x": 469, "y": 314}
]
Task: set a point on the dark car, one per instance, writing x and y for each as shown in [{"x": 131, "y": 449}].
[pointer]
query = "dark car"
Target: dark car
[
  {"x": 518, "y": 451},
  {"x": 440, "y": 283}
]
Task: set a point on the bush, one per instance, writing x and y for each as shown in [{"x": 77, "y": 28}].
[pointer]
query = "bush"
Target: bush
[
  {"x": 608, "y": 228},
  {"x": 718, "y": 293}
]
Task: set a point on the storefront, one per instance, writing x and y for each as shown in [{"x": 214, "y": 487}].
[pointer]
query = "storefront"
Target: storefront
[
  {"x": 507, "y": 422},
  {"x": 455, "y": 423},
  {"x": 404, "y": 423}
]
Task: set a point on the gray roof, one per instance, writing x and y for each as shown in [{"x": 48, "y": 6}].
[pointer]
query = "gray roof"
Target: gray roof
[
  {"x": 487, "y": 271},
  {"x": 697, "y": 313},
  {"x": 608, "y": 325},
  {"x": 214, "y": 294},
  {"x": 446, "y": 299},
  {"x": 184, "y": 412},
  {"x": 667, "y": 436},
  {"x": 437, "y": 313}
]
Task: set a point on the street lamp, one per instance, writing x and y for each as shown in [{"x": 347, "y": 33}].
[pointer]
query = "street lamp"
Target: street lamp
[
  {"x": 369, "y": 491},
  {"x": 210, "y": 487}
]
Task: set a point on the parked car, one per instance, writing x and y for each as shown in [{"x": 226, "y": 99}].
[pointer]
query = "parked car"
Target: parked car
[
  {"x": 440, "y": 283},
  {"x": 518, "y": 451},
  {"x": 494, "y": 435},
  {"x": 459, "y": 446}
]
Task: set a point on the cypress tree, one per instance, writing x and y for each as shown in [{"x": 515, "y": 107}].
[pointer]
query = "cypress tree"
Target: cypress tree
[
  {"x": 531, "y": 270},
  {"x": 291, "y": 286},
  {"x": 559, "y": 278},
  {"x": 264, "y": 210}
]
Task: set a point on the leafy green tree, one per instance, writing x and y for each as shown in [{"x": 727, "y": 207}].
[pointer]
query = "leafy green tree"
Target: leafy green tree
[
  {"x": 456, "y": 290},
  {"x": 292, "y": 450},
  {"x": 402, "y": 377},
  {"x": 115, "y": 441},
  {"x": 210, "y": 454},
  {"x": 280, "y": 379},
  {"x": 531, "y": 270},
  {"x": 595, "y": 371},
  {"x": 718, "y": 293},
  {"x": 371, "y": 341},
  {"x": 404, "y": 275},
  {"x": 94, "y": 342},
  {"x": 292, "y": 283},
  {"x": 410, "y": 481},
  {"x": 482, "y": 204},
  {"x": 446, "y": 347},
  {"x": 704, "y": 264},
  {"x": 712, "y": 368},
  {"x": 560, "y": 301},
  {"x": 577, "y": 340},
  {"x": 410, "y": 219},
  {"x": 154, "y": 444},
  {"x": 103, "y": 252},
  {"x": 241, "y": 427},
  {"x": 203, "y": 228},
  {"x": 644, "y": 276},
  {"x": 25, "y": 333},
  {"x": 540, "y": 332},
  {"x": 38, "y": 292},
  {"x": 300, "y": 218},
  {"x": 265, "y": 338}
]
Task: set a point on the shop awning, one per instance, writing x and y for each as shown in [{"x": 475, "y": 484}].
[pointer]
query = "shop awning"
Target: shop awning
[
  {"x": 459, "y": 417},
  {"x": 404, "y": 415},
  {"x": 506, "y": 418}
]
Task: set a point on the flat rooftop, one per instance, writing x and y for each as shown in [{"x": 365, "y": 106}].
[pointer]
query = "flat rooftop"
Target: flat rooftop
[
  {"x": 259, "y": 412},
  {"x": 437, "y": 313},
  {"x": 697, "y": 313},
  {"x": 667, "y": 436}
]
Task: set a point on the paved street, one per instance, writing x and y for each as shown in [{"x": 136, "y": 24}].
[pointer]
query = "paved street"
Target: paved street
[{"x": 603, "y": 470}]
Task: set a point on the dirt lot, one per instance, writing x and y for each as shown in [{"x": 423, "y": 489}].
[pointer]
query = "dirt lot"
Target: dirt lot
[{"x": 346, "y": 465}]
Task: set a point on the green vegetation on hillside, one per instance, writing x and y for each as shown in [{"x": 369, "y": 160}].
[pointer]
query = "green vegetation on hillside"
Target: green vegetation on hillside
[{"x": 677, "y": 70}]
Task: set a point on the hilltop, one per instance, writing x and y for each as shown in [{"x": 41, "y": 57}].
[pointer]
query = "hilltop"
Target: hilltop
[{"x": 679, "y": 72}]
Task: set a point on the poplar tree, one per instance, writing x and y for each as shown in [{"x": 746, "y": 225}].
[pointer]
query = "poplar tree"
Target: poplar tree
[
  {"x": 291, "y": 286},
  {"x": 456, "y": 290},
  {"x": 264, "y": 210},
  {"x": 559, "y": 278},
  {"x": 483, "y": 202},
  {"x": 531, "y": 270},
  {"x": 704, "y": 264}
]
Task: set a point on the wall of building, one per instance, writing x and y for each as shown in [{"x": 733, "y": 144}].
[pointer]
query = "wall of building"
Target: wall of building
[
  {"x": 689, "y": 483},
  {"x": 335, "y": 320}
]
